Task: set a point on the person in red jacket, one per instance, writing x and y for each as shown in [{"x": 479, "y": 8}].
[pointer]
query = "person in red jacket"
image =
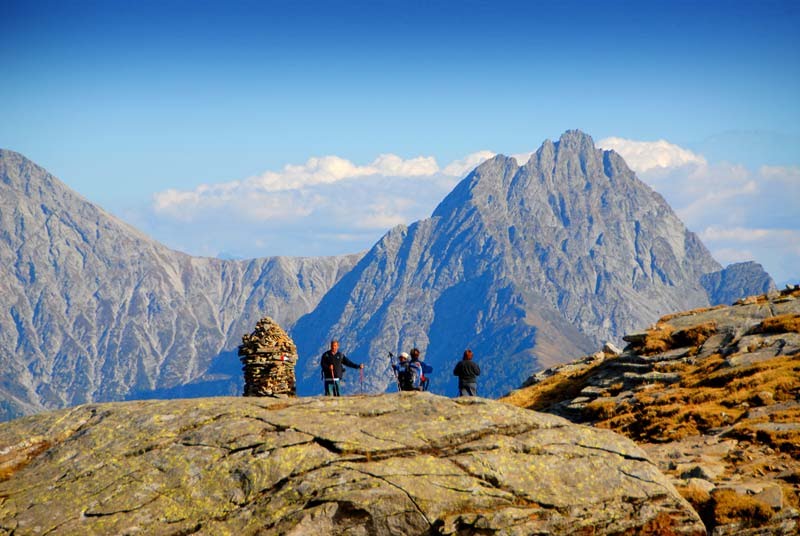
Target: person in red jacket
[{"x": 332, "y": 362}]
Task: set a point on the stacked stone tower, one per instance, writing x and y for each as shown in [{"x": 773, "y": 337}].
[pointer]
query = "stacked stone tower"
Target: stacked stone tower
[{"x": 269, "y": 357}]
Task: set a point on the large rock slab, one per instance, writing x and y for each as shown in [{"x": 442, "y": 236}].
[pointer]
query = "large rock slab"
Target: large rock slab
[{"x": 408, "y": 463}]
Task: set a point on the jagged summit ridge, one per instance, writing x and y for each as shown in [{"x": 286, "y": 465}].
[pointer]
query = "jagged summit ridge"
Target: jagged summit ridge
[{"x": 525, "y": 264}]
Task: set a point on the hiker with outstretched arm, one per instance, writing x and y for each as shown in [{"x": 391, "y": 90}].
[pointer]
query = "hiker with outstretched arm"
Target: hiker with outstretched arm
[
  {"x": 332, "y": 362},
  {"x": 467, "y": 371}
]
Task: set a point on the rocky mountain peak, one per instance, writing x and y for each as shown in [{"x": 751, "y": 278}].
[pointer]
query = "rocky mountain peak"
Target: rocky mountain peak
[{"x": 572, "y": 243}]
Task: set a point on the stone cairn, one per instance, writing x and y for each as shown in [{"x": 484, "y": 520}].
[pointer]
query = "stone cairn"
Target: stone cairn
[{"x": 269, "y": 357}]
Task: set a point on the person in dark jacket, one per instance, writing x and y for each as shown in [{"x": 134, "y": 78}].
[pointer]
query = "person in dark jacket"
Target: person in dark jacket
[
  {"x": 332, "y": 369},
  {"x": 467, "y": 371}
]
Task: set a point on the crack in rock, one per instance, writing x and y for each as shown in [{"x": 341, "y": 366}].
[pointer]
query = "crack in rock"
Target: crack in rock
[
  {"x": 407, "y": 494},
  {"x": 122, "y": 511}
]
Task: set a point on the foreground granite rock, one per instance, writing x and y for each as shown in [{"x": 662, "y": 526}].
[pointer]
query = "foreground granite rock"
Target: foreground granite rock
[{"x": 410, "y": 463}]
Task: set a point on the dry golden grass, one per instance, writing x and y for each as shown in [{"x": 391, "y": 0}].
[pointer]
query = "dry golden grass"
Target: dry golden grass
[
  {"x": 710, "y": 395},
  {"x": 698, "y": 498},
  {"x": 728, "y": 507},
  {"x": 694, "y": 335},
  {"x": 659, "y": 339},
  {"x": 779, "y": 324},
  {"x": 544, "y": 394}
]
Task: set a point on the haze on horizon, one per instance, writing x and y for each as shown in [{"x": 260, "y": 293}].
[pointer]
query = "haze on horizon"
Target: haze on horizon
[{"x": 310, "y": 128}]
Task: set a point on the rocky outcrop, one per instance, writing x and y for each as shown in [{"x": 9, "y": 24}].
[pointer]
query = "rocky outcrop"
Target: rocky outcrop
[
  {"x": 92, "y": 310},
  {"x": 410, "y": 463},
  {"x": 713, "y": 396},
  {"x": 736, "y": 281}
]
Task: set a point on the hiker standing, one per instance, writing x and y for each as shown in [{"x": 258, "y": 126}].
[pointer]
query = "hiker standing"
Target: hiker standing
[
  {"x": 332, "y": 369},
  {"x": 467, "y": 371},
  {"x": 424, "y": 369},
  {"x": 408, "y": 372}
]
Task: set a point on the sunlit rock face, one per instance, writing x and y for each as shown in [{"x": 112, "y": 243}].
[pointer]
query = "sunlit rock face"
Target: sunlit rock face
[
  {"x": 527, "y": 263},
  {"x": 408, "y": 463}
]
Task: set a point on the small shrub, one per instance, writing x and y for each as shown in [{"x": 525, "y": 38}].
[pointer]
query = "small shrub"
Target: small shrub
[
  {"x": 695, "y": 335},
  {"x": 659, "y": 339},
  {"x": 698, "y": 498},
  {"x": 601, "y": 409},
  {"x": 730, "y": 507}
]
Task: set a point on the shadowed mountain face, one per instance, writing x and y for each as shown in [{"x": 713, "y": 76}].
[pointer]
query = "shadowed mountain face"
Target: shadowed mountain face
[
  {"x": 92, "y": 310},
  {"x": 526, "y": 265}
]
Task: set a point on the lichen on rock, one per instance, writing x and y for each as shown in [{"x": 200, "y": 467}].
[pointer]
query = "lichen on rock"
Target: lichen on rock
[{"x": 406, "y": 463}]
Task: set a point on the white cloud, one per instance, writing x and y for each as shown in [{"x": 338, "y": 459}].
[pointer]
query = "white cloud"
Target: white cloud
[
  {"x": 743, "y": 234},
  {"x": 787, "y": 175},
  {"x": 330, "y": 205},
  {"x": 294, "y": 191},
  {"x": 643, "y": 156},
  {"x": 522, "y": 158},
  {"x": 460, "y": 168},
  {"x": 390, "y": 165}
]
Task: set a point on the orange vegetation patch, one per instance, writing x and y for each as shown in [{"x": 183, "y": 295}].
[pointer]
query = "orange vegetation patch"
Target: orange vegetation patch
[
  {"x": 779, "y": 324},
  {"x": 664, "y": 337},
  {"x": 659, "y": 339},
  {"x": 541, "y": 396},
  {"x": 727, "y": 506},
  {"x": 724, "y": 506},
  {"x": 709, "y": 395},
  {"x": 693, "y": 336}
]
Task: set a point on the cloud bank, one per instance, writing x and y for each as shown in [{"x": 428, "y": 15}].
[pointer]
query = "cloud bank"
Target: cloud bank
[
  {"x": 739, "y": 213},
  {"x": 327, "y": 205},
  {"x": 331, "y": 205},
  {"x": 644, "y": 156}
]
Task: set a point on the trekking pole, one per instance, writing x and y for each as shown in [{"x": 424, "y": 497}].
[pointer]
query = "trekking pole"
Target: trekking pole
[
  {"x": 334, "y": 386},
  {"x": 361, "y": 377},
  {"x": 394, "y": 370}
]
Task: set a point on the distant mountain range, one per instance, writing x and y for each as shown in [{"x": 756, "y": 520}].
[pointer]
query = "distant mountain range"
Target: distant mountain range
[
  {"x": 528, "y": 265},
  {"x": 91, "y": 309}
]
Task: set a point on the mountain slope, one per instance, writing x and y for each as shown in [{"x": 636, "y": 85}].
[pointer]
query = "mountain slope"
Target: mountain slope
[
  {"x": 527, "y": 265},
  {"x": 92, "y": 310},
  {"x": 712, "y": 395}
]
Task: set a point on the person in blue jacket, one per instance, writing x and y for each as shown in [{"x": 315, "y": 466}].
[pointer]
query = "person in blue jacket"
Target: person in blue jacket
[{"x": 424, "y": 368}]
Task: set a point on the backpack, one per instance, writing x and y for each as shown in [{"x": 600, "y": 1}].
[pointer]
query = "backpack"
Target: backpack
[{"x": 408, "y": 377}]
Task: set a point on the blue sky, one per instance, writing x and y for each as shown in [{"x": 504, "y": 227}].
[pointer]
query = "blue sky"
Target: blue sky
[{"x": 147, "y": 107}]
